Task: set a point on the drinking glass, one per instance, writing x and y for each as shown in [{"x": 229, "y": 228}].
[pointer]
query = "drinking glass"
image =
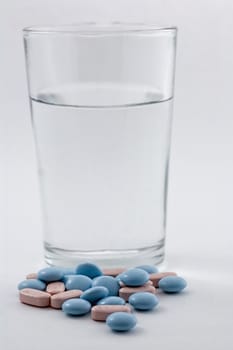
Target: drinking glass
[{"x": 101, "y": 105}]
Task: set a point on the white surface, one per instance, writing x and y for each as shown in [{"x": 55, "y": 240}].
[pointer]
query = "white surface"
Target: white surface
[{"x": 200, "y": 191}]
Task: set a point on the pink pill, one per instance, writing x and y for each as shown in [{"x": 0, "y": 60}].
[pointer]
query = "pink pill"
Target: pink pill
[
  {"x": 55, "y": 287},
  {"x": 115, "y": 271},
  {"x": 34, "y": 297},
  {"x": 156, "y": 277},
  {"x": 58, "y": 299},
  {"x": 101, "y": 312},
  {"x": 125, "y": 292}
]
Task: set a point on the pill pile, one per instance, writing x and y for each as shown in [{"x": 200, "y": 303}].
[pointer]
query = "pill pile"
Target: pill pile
[{"x": 110, "y": 295}]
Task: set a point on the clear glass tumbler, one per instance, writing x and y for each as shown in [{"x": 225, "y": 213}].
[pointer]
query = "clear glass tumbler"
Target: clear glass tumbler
[{"x": 101, "y": 106}]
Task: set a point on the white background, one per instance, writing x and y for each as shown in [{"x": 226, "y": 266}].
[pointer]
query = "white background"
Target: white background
[{"x": 200, "y": 228}]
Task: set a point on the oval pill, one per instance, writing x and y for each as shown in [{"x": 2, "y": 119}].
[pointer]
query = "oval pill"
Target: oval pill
[
  {"x": 101, "y": 312},
  {"x": 134, "y": 277},
  {"x": 118, "y": 277},
  {"x": 94, "y": 294},
  {"x": 78, "y": 282},
  {"x": 33, "y": 284},
  {"x": 148, "y": 268},
  {"x": 68, "y": 270},
  {"x": 143, "y": 301},
  {"x": 50, "y": 274},
  {"x": 34, "y": 297},
  {"x": 156, "y": 277},
  {"x": 172, "y": 284},
  {"x": 57, "y": 300},
  {"x": 66, "y": 277},
  {"x": 115, "y": 271},
  {"x": 112, "y": 300},
  {"x": 55, "y": 287},
  {"x": 108, "y": 282},
  {"x": 126, "y": 292},
  {"x": 148, "y": 283},
  {"x": 121, "y": 321},
  {"x": 88, "y": 269},
  {"x": 76, "y": 307}
]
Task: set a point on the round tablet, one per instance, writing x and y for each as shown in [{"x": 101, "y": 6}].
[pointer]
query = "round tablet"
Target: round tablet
[
  {"x": 121, "y": 321},
  {"x": 134, "y": 277},
  {"x": 33, "y": 284},
  {"x": 68, "y": 270},
  {"x": 108, "y": 282},
  {"x": 50, "y": 274},
  {"x": 111, "y": 301},
  {"x": 172, "y": 284},
  {"x": 94, "y": 294},
  {"x": 148, "y": 268},
  {"x": 88, "y": 269},
  {"x": 76, "y": 307},
  {"x": 143, "y": 301},
  {"x": 78, "y": 282}
]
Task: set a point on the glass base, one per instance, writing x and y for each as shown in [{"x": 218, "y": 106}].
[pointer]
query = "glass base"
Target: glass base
[{"x": 153, "y": 255}]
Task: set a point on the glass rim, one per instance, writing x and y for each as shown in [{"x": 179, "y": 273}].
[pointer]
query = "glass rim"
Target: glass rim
[{"x": 96, "y": 29}]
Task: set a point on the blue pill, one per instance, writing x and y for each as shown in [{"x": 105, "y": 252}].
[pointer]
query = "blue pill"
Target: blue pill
[
  {"x": 109, "y": 282},
  {"x": 172, "y": 284},
  {"x": 134, "y": 277},
  {"x": 89, "y": 269},
  {"x": 50, "y": 274},
  {"x": 68, "y": 270},
  {"x": 143, "y": 301},
  {"x": 76, "y": 307},
  {"x": 121, "y": 321},
  {"x": 78, "y": 282},
  {"x": 32, "y": 283},
  {"x": 94, "y": 294},
  {"x": 111, "y": 301},
  {"x": 148, "y": 268},
  {"x": 66, "y": 277},
  {"x": 118, "y": 277}
]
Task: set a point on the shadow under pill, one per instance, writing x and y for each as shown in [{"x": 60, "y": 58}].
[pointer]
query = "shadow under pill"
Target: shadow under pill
[
  {"x": 78, "y": 316},
  {"x": 133, "y": 332},
  {"x": 176, "y": 295}
]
